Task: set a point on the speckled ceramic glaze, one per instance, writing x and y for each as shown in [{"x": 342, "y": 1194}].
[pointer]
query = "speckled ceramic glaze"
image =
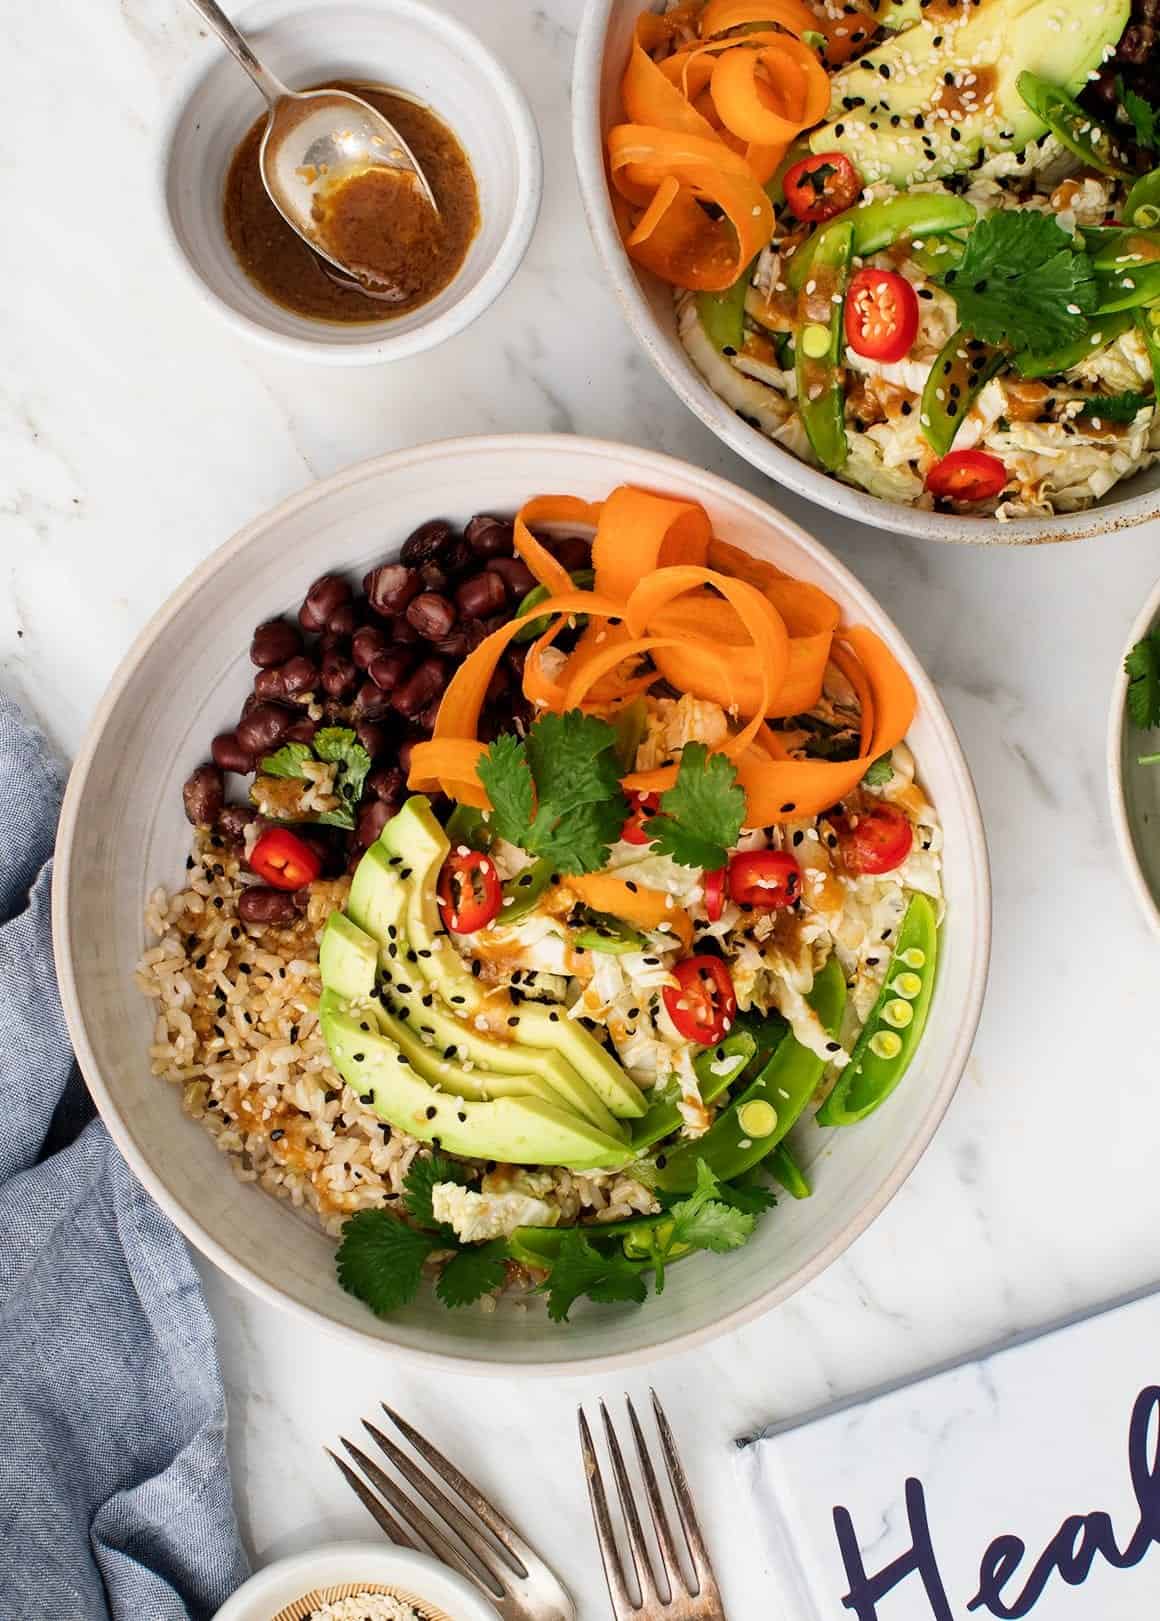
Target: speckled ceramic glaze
[
  {"x": 601, "y": 53},
  {"x": 123, "y": 832}
]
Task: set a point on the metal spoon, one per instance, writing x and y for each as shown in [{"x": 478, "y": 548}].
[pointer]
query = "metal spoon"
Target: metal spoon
[{"x": 313, "y": 137}]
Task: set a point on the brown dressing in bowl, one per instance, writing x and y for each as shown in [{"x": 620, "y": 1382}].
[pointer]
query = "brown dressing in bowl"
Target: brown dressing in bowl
[{"x": 375, "y": 219}]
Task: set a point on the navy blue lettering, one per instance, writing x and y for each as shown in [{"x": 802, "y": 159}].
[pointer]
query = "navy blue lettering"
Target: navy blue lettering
[{"x": 865, "y": 1590}]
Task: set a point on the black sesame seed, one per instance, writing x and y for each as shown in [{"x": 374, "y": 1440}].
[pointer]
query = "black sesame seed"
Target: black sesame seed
[
  {"x": 277, "y": 1136},
  {"x": 431, "y": 1111},
  {"x": 786, "y": 808}
]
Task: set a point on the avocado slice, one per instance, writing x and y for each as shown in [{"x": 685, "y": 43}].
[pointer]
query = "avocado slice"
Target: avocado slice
[
  {"x": 884, "y": 111},
  {"x": 447, "y": 1074},
  {"x": 381, "y": 897},
  {"x": 517, "y": 1130},
  {"x": 415, "y": 839}
]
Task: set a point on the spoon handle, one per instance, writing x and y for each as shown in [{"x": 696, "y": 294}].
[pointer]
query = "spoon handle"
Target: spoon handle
[{"x": 270, "y": 86}]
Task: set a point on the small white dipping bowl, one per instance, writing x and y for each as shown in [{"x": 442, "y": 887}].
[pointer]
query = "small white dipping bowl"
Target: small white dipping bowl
[
  {"x": 1134, "y": 789},
  {"x": 408, "y": 47},
  {"x": 277, "y": 1586},
  {"x": 123, "y": 832},
  {"x": 602, "y": 50}
]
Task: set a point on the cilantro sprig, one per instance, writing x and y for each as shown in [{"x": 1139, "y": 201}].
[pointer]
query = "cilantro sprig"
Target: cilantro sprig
[
  {"x": 556, "y": 793},
  {"x": 1116, "y": 407},
  {"x": 1143, "y": 669},
  {"x": 381, "y": 1258},
  {"x": 700, "y": 816},
  {"x": 1023, "y": 282},
  {"x": 1145, "y": 118},
  {"x": 879, "y": 771},
  {"x": 334, "y": 745}
]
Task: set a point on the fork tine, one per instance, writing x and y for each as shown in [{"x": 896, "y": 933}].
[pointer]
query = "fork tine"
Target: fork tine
[
  {"x": 660, "y": 1519},
  {"x": 645, "y": 1580},
  {"x": 371, "y": 1503},
  {"x": 484, "y": 1551},
  {"x": 418, "y": 1522},
  {"x": 684, "y": 1500},
  {"x": 500, "y": 1528},
  {"x": 606, "y": 1541}
]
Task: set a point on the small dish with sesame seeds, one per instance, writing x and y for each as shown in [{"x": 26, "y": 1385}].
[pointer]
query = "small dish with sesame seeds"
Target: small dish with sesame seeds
[{"x": 901, "y": 254}]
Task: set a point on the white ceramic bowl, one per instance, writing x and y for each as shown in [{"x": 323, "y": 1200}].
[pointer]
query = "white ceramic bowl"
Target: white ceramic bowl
[
  {"x": 404, "y": 44},
  {"x": 1134, "y": 789},
  {"x": 279, "y": 1585},
  {"x": 602, "y": 50},
  {"x": 123, "y": 832}
]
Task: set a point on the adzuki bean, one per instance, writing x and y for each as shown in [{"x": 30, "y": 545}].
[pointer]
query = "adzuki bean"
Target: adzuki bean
[
  {"x": 274, "y": 642},
  {"x": 490, "y": 537},
  {"x": 229, "y": 755},
  {"x": 342, "y": 621},
  {"x": 514, "y": 573},
  {"x": 325, "y": 596},
  {"x": 370, "y": 643},
  {"x": 390, "y": 587},
  {"x": 204, "y": 795},
  {"x": 570, "y": 551},
  {"x": 372, "y": 737},
  {"x": 426, "y": 544},
  {"x": 370, "y": 703},
  {"x": 299, "y": 676},
  {"x": 485, "y": 593},
  {"x": 387, "y": 783},
  {"x": 232, "y": 822},
  {"x": 269, "y": 686},
  {"x": 431, "y": 615},
  {"x": 263, "y": 728},
  {"x": 371, "y": 821},
  {"x": 339, "y": 675},
  {"x": 302, "y": 731},
  {"x": 262, "y": 905},
  {"x": 386, "y": 672},
  {"x": 420, "y": 688}
]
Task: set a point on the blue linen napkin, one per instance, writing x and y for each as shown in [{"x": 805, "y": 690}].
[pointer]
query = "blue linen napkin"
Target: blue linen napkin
[{"x": 115, "y": 1495}]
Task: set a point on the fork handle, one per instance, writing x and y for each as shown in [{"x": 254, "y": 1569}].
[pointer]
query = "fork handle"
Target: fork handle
[{"x": 268, "y": 83}]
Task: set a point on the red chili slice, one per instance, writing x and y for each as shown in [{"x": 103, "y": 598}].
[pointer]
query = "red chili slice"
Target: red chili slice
[
  {"x": 967, "y": 475},
  {"x": 881, "y": 315},
  {"x": 702, "y": 1004},
  {"x": 765, "y": 878},
  {"x": 470, "y": 893},
  {"x": 817, "y": 188},
  {"x": 284, "y": 860},
  {"x": 714, "y": 888},
  {"x": 643, "y": 806},
  {"x": 878, "y": 841}
]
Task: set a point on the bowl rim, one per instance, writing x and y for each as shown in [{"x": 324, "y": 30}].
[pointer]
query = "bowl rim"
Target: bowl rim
[
  {"x": 380, "y": 347},
  {"x": 770, "y": 458},
  {"x": 1146, "y": 619},
  {"x": 654, "y": 466},
  {"x": 324, "y": 1566}
]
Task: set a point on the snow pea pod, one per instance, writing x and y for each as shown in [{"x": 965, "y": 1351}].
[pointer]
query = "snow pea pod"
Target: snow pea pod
[
  {"x": 1148, "y": 326},
  {"x": 722, "y": 315},
  {"x": 786, "y": 1171},
  {"x": 1142, "y": 204},
  {"x": 962, "y": 369},
  {"x": 1092, "y": 142},
  {"x": 1046, "y": 363},
  {"x": 716, "y": 1069},
  {"x": 821, "y": 397},
  {"x": 891, "y": 1034},
  {"x": 757, "y": 1120},
  {"x": 540, "y": 1246},
  {"x": 880, "y": 224}
]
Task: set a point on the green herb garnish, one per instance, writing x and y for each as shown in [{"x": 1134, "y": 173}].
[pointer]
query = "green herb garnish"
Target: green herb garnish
[
  {"x": 879, "y": 771},
  {"x": 1145, "y": 118},
  {"x": 1143, "y": 668},
  {"x": 333, "y": 745},
  {"x": 581, "y": 1270},
  {"x": 1023, "y": 283},
  {"x": 1116, "y": 407},
  {"x": 557, "y": 792},
  {"x": 700, "y": 816}
]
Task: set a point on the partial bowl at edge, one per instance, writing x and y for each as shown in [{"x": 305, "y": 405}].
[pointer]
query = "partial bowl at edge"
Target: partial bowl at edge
[
  {"x": 123, "y": 832},
  {"x": 1134, "y": 789},
  {"x": 602, "y": 49}
]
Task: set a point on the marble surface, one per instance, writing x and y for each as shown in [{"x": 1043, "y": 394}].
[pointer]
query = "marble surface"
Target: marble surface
[{"x": 136, "y": 433}]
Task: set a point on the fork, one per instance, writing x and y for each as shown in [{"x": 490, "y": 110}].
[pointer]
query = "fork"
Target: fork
[
  {"x": 684, "y": 1603},
  {"x": 509, "y": 1574}
]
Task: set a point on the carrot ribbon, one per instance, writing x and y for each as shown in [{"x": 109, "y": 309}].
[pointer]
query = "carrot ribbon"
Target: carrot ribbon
[{"x": 672, "y": 602}]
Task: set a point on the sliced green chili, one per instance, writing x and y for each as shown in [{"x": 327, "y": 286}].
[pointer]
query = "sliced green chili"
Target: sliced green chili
[
  {"x": 610, "y": 935},
  {"x": 722, "y": 314},
  {"x": 821, "y": 397},
  {"x": 892, "y": 1033},
  {"x": 522, "y": 893},
  {"x": 1092, "y": 142},
  {"x": 1142, "y": 204},
  {"x": 786, "y": 1084},
  {"x": 963, "y": 368},
  {"x": 582, "y": 578},
  {"x": 466, "y": 825}
]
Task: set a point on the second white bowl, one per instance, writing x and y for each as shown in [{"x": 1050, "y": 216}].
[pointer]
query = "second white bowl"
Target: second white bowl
[{"x": 400, "y": 43}]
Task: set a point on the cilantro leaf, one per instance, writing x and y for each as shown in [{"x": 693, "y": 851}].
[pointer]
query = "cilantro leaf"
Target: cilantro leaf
[
  {"x": 1022, "y": 282},
  {"x": 476, "y": 1270},
  {"x": 701, "y": 814},
  {"x": 703, "y": 1222},
  {"x": 1145, "y": 118},
  {"x": 419, "y": 1185},
  {"x": 1116, "y": 407},
  {"x": 557, "y": 793},
  {"x": 749, "y": 1192},
  {"x": 1143, "y": 667},
  {"x": 380, "y": 1260},
  {"x": 287, "y": 761},
  {"x": 879, "y": 771},
  {"x": 339, "y": 746},
  {"x": 580, "y": 1269}
]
